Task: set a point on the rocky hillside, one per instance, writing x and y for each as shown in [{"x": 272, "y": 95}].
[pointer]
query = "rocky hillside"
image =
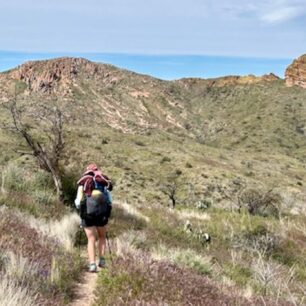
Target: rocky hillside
[
  {"x": 219, "y": 112},
  {"x": 296, "y": 72},
  {"x": 231, "y": 151},
  {"x": 247, "y": 115}
]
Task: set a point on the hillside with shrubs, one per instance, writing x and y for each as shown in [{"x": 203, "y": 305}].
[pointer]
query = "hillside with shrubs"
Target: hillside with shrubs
[{"x": 190, "y": 159}]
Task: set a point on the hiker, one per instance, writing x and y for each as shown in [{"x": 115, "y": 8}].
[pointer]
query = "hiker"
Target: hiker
[{"x": 94, "y": 202}]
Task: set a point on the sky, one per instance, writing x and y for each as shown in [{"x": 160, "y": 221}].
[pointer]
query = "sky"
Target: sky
[{"x": 165, "y": 38}]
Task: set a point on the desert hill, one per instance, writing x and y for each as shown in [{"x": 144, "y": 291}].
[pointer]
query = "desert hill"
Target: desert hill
[
  {"x": 233, "y": 149},
  {"x": 137, "y": 121},
  {"x": 220, "y": 112}
]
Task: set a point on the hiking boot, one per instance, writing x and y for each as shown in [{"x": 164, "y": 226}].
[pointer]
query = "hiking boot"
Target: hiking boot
[
  {"x": 102, "y": 262},
  {"x": 93, "y": 267}
]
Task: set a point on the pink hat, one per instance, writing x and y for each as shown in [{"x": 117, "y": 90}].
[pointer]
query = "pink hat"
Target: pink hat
[{"x": 92, "y": 167}]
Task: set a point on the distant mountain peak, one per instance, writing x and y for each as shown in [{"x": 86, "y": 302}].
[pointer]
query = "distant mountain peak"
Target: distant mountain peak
[{"x": 44, "y": 76}]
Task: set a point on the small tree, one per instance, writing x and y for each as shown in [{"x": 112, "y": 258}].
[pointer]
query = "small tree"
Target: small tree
[
  {"x": 41, "y": 127},
  {"x": 170, "y": 188},
  {"x": 258, "y": 202}
]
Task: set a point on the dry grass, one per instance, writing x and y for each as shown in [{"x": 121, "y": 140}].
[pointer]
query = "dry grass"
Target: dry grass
[
  {"x": 191, "y": 214},
  {"x": 12, "y": 294},
  {"x": 293, "y": 202},
  {"x": 17, "y": 267},
  {"x": 14, "y": 284},
  {"x": 63, "y": 230},
  {"x": 184, "y": 258},
  {"x": 127, "y": 244},
  {"x": 276, "y": 280},
  {"x": 48, "y": 244},
  {"x": 129, "y": 209}
]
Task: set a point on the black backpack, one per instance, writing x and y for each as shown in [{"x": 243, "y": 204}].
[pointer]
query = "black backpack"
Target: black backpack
[{"x": 98, "y": 205}]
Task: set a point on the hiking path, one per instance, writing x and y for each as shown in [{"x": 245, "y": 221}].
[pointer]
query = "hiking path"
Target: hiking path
[{"x": 84, "y": 290}]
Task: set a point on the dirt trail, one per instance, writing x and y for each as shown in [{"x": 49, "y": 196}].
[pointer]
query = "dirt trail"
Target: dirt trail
[{"x": 84, "y": 290}]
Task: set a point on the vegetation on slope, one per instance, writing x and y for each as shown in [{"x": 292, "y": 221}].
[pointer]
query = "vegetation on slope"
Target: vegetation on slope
[
  {"x": 234, "y": 151},
  {"x": 38, "y": 261}
]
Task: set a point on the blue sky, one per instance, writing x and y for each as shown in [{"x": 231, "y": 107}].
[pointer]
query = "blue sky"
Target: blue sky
[{"x": 165, "y": 38}]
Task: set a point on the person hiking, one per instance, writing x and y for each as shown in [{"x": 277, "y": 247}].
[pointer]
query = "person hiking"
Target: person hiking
[{"x": 94, "y": 202}]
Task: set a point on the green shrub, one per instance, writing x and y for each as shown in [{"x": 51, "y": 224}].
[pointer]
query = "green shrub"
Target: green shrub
[
  {"x": 111, "y": 286},
  {"x": 69, "y": 181},
  {"x": 139, "y": 143},
  {"x": 188, "y": 165},
  {"x": 238, "y": 274},
  {"x": 43, "y": 197},
  {"x": 203, "y": 204},
  {"x": 21, "y": 179},
  {"x": 165, "y": 159}
]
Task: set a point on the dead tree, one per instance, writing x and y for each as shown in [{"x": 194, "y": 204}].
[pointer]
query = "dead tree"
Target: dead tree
[
  {"x": 43, "y": 135},
  {"x": 170, "y": 189}
]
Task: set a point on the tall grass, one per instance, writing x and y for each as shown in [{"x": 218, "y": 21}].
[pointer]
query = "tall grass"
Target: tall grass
[
  {"x": 63, "y": 230},
  {"x": 18, "y": 267},
  {"x": 12, "y": 294},
  {"x": 24, "y": 179},
  {"x": 191, "y": 214},
  {"x": 16, "y": 275},
  {"x": 48, "y": 243},
  {"x": 29, "y": 189},
  {"x": 129, "y": 209},
  {"x": 183, "y": 257}
]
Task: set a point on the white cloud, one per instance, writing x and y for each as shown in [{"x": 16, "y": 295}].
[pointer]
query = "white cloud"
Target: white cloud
[
  {"x": 268, "y": 11},
  {"x": 232, "y": 27},
  {"x": 282, "y": 14}
]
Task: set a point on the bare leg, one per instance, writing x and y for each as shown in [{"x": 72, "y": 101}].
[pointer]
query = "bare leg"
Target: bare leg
[
  {"x": 91, "y": 237},
  {"x": 102, "y": 240}
]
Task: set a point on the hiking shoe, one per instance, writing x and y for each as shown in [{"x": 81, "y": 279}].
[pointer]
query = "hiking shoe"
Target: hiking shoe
[
  {"x": 102, "y": 262},
  {"x": 93, "y": 267}
]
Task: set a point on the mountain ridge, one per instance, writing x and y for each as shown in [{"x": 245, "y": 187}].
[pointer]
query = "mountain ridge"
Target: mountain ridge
[
  {"x": 133, "y": 102},
  {"x": 55, "y": 69}
]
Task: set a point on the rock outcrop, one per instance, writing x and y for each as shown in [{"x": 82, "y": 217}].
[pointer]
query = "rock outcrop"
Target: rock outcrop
[
  {"x": 233, "y": 80},
  {"x": 296, "y": 72},
  {"x": 45, "y": 76}
]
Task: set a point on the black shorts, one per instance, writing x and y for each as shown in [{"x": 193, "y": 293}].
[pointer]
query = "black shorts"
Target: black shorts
[{"x": 95, "y": 221}]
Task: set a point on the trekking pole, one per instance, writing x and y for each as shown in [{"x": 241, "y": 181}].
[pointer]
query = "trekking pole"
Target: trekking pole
[
  {"x": 108, "y": 244},
  {"x": 80, "y": 238}
]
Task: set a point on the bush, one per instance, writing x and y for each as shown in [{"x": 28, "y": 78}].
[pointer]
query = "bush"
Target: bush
[
  {"x": 237, "y": 273},
  {"x": 203, "y": 204},
  {"x": 114, "y": 284},
  {"x": 258, "y": 240},
  {"x": 165, "y": 159},
  {"x": 188, "y": 165},
  {"x": 260, "y": 203},
  {"x": 139, "y": 143}
]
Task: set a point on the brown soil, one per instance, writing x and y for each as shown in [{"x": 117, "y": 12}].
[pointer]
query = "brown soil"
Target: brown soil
[{"x": 84, "y": 291}]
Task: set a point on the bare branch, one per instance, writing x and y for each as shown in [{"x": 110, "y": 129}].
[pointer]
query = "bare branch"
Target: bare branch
[{"x": 47, "y": 159}]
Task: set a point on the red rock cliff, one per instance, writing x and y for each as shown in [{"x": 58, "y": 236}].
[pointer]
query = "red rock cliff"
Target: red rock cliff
[{"x": 296, "y": 72}]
